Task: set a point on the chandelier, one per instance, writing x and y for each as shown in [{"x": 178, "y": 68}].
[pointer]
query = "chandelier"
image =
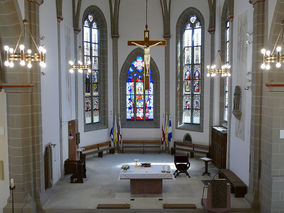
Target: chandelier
[
  {"x": 272, "y": 56},
  {"x": 25, "y": 58},
  {"x": 224, "y": 70},
  {"x": 80, "y": 66}
]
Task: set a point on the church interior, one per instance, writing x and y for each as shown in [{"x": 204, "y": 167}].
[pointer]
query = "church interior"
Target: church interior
[{"x": 141, "y": 106}]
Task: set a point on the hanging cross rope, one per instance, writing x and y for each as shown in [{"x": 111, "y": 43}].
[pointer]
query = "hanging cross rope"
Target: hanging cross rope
[{"x": 146, "y": 44}]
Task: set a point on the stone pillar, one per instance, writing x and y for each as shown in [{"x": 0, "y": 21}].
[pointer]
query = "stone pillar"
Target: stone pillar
[
  {"x": 115, "y": 79},
  {"x": 272, "y": 146},
  {"x": 24, "y": 128},
  {"x": 59, "y": 19},
  {"x": 256, "y": 118}
]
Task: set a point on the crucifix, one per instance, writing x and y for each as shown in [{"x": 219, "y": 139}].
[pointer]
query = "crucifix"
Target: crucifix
[{"x": 146, "y": 44}]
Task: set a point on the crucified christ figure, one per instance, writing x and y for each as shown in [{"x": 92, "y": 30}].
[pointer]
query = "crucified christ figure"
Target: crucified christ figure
[
  {"x": 147, "y": 56},
  {"x": 146, "y": 44}
]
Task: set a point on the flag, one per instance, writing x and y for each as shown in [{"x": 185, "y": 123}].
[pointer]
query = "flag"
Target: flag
[
  {"x": 115, "y": 139},
  {"x": 170, "y": 131},
  {"x": 163, "y": 135},
  {"x": 119, "y": 132},
  {"x": 111, "y": 134},
  {"x": 166, "y": 130}
]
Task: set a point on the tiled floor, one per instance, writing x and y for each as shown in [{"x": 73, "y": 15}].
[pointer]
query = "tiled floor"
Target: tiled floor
[{"x": 103, "y": 185}]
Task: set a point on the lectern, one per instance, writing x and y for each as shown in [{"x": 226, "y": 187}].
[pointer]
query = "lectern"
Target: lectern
[
  {"x": 75, "y": 164},
  {"x": 73, "y": 140}
]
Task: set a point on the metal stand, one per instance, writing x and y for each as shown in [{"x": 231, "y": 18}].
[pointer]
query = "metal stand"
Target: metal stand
[{"x": 12, "y": 188}]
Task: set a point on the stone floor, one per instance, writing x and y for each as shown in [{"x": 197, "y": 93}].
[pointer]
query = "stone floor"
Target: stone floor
[{"x": 103, "y": 186}]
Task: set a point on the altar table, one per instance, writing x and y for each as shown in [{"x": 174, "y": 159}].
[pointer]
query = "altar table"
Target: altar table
[{"x": 146, "y": 180}]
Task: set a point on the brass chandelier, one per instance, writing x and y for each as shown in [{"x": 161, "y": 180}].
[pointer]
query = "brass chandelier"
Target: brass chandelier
[
  {"x": 25, "y": 58},
  {"x": 80, "y": 66},
  {"x": 223, "y": 71},
  {"x": 269, "y": 57}
]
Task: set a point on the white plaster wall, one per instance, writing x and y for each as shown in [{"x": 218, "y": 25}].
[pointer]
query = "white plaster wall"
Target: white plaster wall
[
  {"x": 49, "y": 83},
  {"x": 240, "y": 143},
  {"x": 177, "y": 9},
  {"x": 93, "y": 137},
  {"x": 67, "y": 79},
  {"x": 132, "y": 24},
  {"x": 4, "y": 184}
]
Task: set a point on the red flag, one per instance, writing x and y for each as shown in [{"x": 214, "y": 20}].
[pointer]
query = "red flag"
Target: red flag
[{"x": 163, "y": 136}]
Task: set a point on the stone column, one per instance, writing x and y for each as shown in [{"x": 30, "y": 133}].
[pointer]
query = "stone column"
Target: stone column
[
  {"x": 211, "y": 30},
  {"x": 59, "y": 19},
  {"x": 115, "y": 79},
  {"x": 24, "y": 127},
  {"x": 272, "y": 146},
  {"x": 257, "y": 91}
]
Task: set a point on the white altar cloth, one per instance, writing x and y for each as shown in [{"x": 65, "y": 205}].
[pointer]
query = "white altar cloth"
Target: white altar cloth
[{"x": 153, "y": 172}]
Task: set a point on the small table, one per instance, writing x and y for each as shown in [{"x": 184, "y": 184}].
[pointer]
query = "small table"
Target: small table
[{"x": 206, "y": 161}]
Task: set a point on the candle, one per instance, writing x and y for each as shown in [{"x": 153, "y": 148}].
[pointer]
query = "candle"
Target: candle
[{"x": 12, "y": 182}]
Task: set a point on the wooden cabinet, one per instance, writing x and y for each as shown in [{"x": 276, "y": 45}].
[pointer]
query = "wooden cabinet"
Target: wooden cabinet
[{"x": 218, "y": 148}]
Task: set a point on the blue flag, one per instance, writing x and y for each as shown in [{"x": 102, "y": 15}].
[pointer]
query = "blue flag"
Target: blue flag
[
  {"x": 170, "y": 132},
  {"x": 111, "y": 134}
]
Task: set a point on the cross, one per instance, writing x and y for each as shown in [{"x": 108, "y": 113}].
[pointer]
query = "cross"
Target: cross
[{"x": 147, "y": 44}]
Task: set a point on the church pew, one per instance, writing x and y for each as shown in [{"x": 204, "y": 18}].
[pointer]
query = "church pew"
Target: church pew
[
  {"x": 98, "y": 148},
  {"x": 141, "y": 144},
  {"x": 237, "y": 185},
  {"x": 191, "y": 148}
]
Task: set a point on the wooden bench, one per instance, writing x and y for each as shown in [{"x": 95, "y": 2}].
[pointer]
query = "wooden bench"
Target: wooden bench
[
  {"x": 179, "y": 206},
  {"x": 191, "y": 148},
  {"x": 141, "y": 144},
  {"x": 98, "y": 148},
  {"x": 113, "y": 206},
  {"x": 237, "y": 185}
]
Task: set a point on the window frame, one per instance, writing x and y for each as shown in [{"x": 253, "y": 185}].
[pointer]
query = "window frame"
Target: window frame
[
  {"x": 180, "y": 29},
  {"x": 99, "y": 19},
  {"x": 155, "y": 123},
  {"x": 225, "y": 18},
  {"x": 227, "y": 60}
]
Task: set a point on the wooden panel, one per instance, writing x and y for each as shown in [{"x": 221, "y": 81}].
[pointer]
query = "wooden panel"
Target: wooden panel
[
  {"x": 132, "y": 142},
  {"x": 182, "y": 149},
  {"x": 141, "y": 142},
  {"x": 105, "y": 144},
  {"x": 183, "y": 144},
  {"x": 146, "y": 186},
  {"x": 179, "y": 206},
  {"x": 95, "y": 146},
  {"x": 72, "y": 138},
  {"x": 113, "y": 206},
  {"x": 218, "y": 148}
]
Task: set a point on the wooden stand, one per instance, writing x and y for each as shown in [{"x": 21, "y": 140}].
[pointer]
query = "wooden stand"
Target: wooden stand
[
  {"x": 206, "y": 161},
  {"x": 76, "y": 164}
]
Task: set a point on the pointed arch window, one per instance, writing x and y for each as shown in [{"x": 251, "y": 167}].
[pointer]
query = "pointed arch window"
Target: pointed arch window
[
  {"x": 190, "y": 47},
  {"x": 139, "y": 108},
  {"x": 95, "y": 54},
  {"x": 139, "y": 101},
  {"x": 226, "y": 79}
]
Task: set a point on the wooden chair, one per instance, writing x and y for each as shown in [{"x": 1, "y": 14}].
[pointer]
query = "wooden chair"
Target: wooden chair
[
  {"x": 218, "y": 196},
  {"x": 182, "y": 165}
]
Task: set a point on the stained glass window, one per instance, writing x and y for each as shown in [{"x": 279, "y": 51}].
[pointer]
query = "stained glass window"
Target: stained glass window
[
  {"x": 192, "y": 52},
  {"x": 91, "y": 52},
  {"x": 139, "y": 102},
  {"x": 226, "y": 79}
]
